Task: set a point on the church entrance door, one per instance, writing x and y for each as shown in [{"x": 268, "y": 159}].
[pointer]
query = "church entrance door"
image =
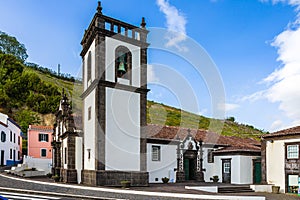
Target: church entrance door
[{"x": 190, "y": 157}]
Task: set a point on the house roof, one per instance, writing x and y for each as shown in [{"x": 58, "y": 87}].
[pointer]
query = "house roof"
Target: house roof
[
  {"x": 172, "y": 133},
  {"x": 285, "y": 132},
  {"x": 233, "y": 149},
  {"x": 41, "y": 128}
]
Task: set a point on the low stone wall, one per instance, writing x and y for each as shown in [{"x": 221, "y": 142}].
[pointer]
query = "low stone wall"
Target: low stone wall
[
  {"x": 69, "y": 175},
  {"x": 114, "y": 178}
]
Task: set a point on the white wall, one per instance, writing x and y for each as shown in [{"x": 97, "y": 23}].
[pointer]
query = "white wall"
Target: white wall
[
  {"x": 212, "y": 169},
  {"x": 89, "y": 131},
  {"x": 111, "y": 45},
  {"x": 241, "y": 168},
  {"x": 7, "y": 145},
  {"x": 166, "y": 165},
  {"x": 64, "y": 155},
  {"x": 275, "y": 159},
  {"x": 38, "y": 163},
  {"x": 93, "y": 67},
  {"x": 78, "y": 157},
  {"x": 122, "y": 144}
]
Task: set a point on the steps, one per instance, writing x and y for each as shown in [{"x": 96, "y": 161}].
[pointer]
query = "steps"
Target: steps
[{"x": 234, "y": 189}]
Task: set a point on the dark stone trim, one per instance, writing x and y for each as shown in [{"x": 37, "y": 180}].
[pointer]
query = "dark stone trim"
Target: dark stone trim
[
  {"x": 162, "y": 141},
  {"x": 263, "y": 162},
  {"x": 69, "y": 175},
  {"x": 113, "y": 85},
  {"x": 239, "y": 153},
  {"x": 100, "y": 128},
  {"x": 180, "y": 177},
  {"x": 90, "y": 89},
  {"x": 123, "y": 87}
]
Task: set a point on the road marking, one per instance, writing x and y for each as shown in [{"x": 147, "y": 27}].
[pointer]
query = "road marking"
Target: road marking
[
  {"x": 147, "y": 193},
  {"x": 24, "y": 196}
]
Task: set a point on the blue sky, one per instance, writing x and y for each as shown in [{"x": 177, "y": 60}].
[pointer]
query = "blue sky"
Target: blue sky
[{"x": 253, "y": 46}]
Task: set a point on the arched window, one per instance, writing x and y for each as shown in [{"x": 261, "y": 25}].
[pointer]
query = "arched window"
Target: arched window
[
  {"x": 123, "y": 63},
  {"x": 3, "y": 136},
  {"x": 89, "y": 66}
]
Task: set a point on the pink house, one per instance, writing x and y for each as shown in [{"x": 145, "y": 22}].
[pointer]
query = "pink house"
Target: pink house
[{"x": 39, "y": 141}]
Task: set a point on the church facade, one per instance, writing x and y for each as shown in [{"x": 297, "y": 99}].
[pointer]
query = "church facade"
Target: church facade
[
  {"x": 114, "y": 56},
  {"x": 115, "y": 143}
]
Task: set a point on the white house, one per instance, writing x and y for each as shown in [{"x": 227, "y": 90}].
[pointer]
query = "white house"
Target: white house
[
  {"x": 280, "y": 159},
  {"x": 10, "y": 141},
  {"x": 175, "y": 152}
]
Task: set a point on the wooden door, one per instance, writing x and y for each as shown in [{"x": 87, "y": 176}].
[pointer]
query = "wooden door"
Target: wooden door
[{"x": 226, "y": 171}]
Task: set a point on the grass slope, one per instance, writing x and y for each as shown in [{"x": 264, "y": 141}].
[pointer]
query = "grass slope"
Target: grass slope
[{"x": 164, "y": 115}]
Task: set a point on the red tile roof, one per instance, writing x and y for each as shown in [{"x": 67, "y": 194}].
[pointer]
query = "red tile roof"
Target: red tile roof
[
  {"x": 285, "y": 132},
  {"x": 175, "y": 133},
  {"x": 40, "y": 128}
]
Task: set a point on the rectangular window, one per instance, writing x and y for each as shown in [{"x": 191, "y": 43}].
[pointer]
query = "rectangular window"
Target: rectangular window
[
  {"x": 11, "y": 154},
  {"x": 292, "y": 151},
  {"x": 227, "y": 167},
  {"x": 155, "y": 153},
  {"x": 210, "y": 157},
  {"x": 43, "y": 152},
  {"x": 11, "y": 136},
  {"x": 43, "y": 137},
  {"x": 89, "y": 113},
  {"x": 14, "y": 138},
  {"x": 19, "y": 140}
]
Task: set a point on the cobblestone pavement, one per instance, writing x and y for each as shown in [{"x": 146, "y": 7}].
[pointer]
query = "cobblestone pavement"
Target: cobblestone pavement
[{"x": 170, "y": 188}]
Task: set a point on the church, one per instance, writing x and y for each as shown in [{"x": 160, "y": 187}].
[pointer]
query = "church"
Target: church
[{"x": 115, "y": 143}]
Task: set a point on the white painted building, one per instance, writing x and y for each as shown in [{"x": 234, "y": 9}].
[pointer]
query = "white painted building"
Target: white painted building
[
  {"x": 174, "y": 153},
  {"x": 117, "y": 144},
  {"x": 10, "y": 141},
  {"x": 280, "y": 159}
]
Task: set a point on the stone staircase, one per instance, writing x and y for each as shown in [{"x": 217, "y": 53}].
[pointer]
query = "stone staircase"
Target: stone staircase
[{"x": 234, "y": 189}]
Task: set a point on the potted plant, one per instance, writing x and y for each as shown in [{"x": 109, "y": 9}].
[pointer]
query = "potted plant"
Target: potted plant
[
  {"x": 165, "y": 179},
  {"x": 275, "y": 189},
  {"x": 215, "y": 179},
  {"x": 56, "y": 178},
  {"x": 49, "y": 175},
  {"x": 125, "y": 184}
]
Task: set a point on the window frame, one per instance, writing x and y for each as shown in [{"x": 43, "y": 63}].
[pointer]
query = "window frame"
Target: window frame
[
  {"x": 288, "y": 153},
  {"x": 128, "y": 67},
  {"x": 42, "y": 139},
  {"x": 3, "y": 136},
  {"x": 155, "y": 149},
  {"x": 45, "y": 150}
]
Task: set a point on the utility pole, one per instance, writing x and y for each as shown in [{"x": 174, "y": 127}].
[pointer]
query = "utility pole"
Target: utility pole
[{"x": 58, "y": 69}]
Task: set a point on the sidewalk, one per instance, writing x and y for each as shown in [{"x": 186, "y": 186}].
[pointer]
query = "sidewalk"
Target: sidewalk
[{"x": 153, "y": 192}]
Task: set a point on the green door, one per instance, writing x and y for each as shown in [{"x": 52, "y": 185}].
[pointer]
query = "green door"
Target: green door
[
  {"x": 257, "y": 172},
  {"x": 187, "y": 169}
]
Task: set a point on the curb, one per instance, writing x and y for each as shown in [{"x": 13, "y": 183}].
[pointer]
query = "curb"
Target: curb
[{"x": 3, "y": 189}]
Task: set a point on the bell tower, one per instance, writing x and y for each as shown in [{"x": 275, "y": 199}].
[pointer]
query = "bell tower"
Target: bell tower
[{"x": 114, "y": 60}]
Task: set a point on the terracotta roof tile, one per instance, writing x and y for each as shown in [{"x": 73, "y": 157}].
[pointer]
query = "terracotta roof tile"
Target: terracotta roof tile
[
  {"x": 285, "y": 132},
  {"x": 173, "y": 133},
  {"x": 38, "y": 127}
]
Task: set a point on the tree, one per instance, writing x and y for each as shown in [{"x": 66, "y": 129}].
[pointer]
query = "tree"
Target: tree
[{"x": 10, "y": 45}]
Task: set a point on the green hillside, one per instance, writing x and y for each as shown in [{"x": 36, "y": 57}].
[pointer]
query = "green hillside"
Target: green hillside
[{"x": 30, "y": 94}]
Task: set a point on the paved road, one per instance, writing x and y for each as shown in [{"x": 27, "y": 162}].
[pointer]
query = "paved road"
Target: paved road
[
  {"x": 14, "y": 195},
  {"x": 112, "y": 193}
]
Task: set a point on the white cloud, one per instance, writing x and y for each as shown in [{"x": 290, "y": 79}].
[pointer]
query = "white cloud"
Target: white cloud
[
  {"x": 228, "y": 107},
  {"x": 176, "y": 23},
  {"x": 283, "y": 85}
]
